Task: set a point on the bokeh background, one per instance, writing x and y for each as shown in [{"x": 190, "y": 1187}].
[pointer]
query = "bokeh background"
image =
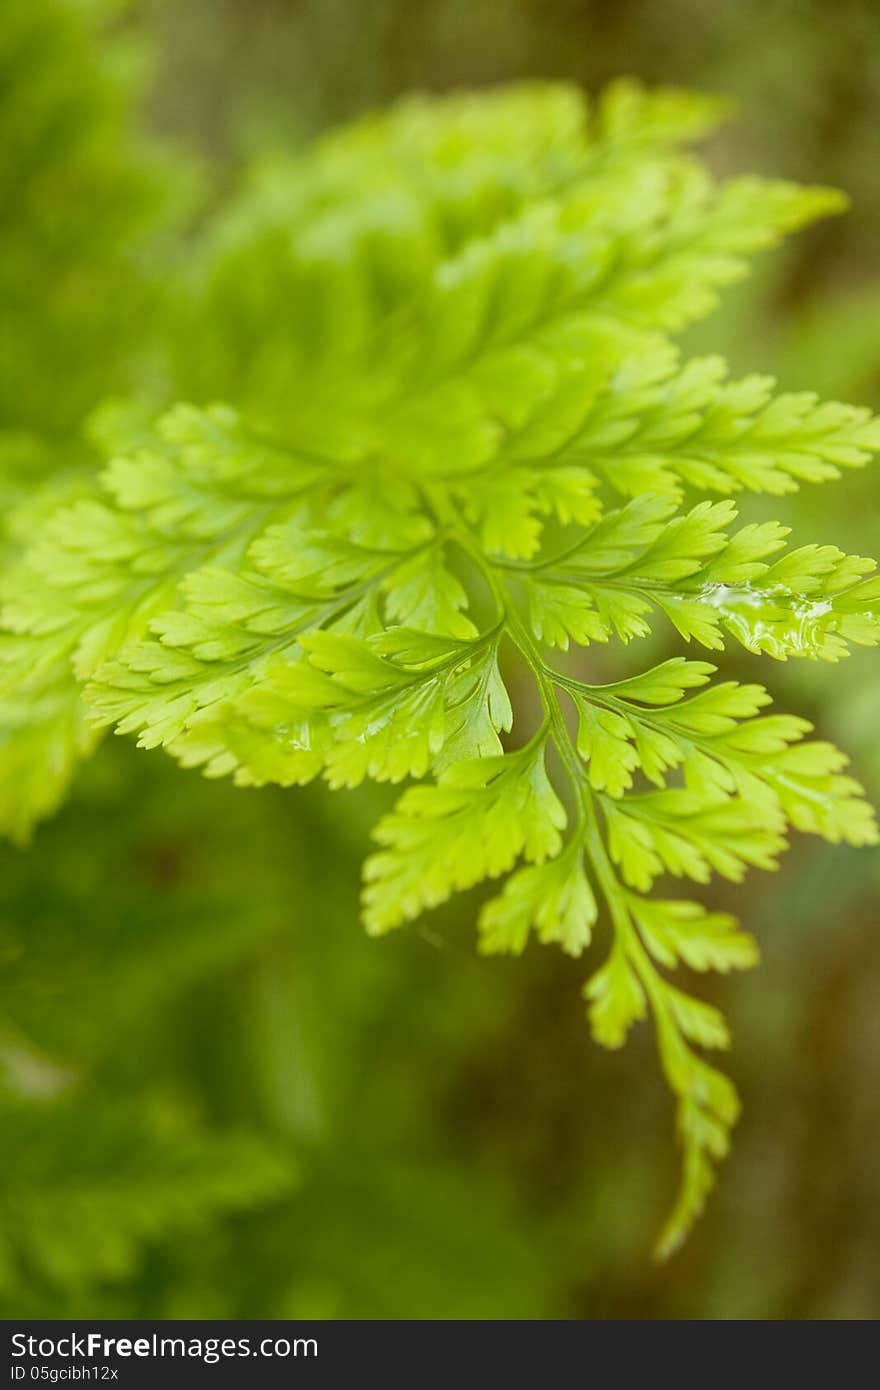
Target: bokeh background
[{"x": 217, "y": 1097}]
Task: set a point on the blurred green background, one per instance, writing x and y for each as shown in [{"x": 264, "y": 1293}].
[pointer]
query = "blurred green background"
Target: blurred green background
[{"x": 219, "y": 1099}]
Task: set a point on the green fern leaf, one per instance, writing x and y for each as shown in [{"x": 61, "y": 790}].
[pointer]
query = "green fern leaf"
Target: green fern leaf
[{"x": 459, "y": 437}]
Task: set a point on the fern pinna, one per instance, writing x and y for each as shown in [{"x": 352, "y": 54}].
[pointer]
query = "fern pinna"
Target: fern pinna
[{"x": 458, "y": 446}]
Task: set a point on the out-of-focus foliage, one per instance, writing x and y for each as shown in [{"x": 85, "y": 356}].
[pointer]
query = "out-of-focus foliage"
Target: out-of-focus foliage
[
  {"x": 398, "y": 1119},
  {"x": 81, "y": 193},
  {"x": 86, "y": 201}
]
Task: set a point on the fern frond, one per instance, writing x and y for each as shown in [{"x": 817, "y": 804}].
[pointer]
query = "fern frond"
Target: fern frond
[{"x": 445, "y": 336}]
